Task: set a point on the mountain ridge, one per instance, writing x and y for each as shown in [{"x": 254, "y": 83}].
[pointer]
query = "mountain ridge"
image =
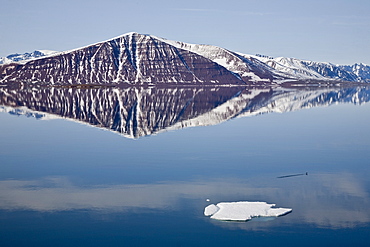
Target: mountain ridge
[{"x": 139, "y": 59}]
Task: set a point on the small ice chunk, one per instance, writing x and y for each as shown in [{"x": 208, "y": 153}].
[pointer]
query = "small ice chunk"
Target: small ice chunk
[
  {"x": 208, "y": 200},
  {"x": 243, "y": 211},
  {"x": 211, "y": 210}
]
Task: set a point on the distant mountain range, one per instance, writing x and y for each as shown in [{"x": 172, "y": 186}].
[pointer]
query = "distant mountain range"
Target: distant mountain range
[
  {"x": 25, "y": 56},
  {"x": 140, "y": 111},
  {"x": 139, "y": 59}
]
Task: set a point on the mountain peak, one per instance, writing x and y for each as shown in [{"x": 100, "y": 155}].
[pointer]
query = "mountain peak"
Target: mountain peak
[{"x": 131, "y": 34}]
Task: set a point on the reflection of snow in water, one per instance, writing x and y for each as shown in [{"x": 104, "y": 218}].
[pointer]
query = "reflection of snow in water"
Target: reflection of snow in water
[{"x": 243, "y": 211}]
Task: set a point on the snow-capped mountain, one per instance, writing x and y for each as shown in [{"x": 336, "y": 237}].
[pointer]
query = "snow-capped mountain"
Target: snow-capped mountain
[
  {"x": 139, "y": 59},
  {"x": 139, "y": 111},
  {"x": 362, "y": 71},
  {"x": 132, "y": 58},
  {"x": 308, "y": 70},
  {"x": 25, "y": 56}
]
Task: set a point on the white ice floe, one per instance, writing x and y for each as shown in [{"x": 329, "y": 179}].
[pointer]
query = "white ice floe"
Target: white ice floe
[{"x": 243, "y": 211}]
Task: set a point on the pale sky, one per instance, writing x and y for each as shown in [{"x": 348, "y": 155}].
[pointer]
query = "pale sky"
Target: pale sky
[{"x": 336, "y": 31}]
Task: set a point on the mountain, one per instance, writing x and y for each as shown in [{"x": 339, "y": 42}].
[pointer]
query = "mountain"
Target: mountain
[
  {"x": 139, "y": 59},
  {"x": 25, "y": 56},
  {"x": 139, "y": 111},
  {"x": 362, "y": 71},
  {"x": 306, "y": 70},
  {"x": 132, "y": 58}
]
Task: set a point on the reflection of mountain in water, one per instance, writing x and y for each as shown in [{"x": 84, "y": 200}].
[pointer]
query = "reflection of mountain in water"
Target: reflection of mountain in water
[{"x": 138, "y": 111}]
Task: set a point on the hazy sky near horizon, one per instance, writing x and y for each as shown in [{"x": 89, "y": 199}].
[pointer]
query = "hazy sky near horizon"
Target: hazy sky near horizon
[{"x": 336, "y": 31}]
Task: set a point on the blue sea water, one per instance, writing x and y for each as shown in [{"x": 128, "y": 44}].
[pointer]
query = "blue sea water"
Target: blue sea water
[{"x": 63, "y": 183}]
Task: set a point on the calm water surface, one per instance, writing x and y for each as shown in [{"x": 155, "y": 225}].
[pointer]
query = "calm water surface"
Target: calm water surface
[{"x": 65, "y": 183}]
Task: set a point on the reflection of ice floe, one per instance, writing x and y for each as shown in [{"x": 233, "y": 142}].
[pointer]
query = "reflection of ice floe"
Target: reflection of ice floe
[{"x": 243, "y": 211}]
